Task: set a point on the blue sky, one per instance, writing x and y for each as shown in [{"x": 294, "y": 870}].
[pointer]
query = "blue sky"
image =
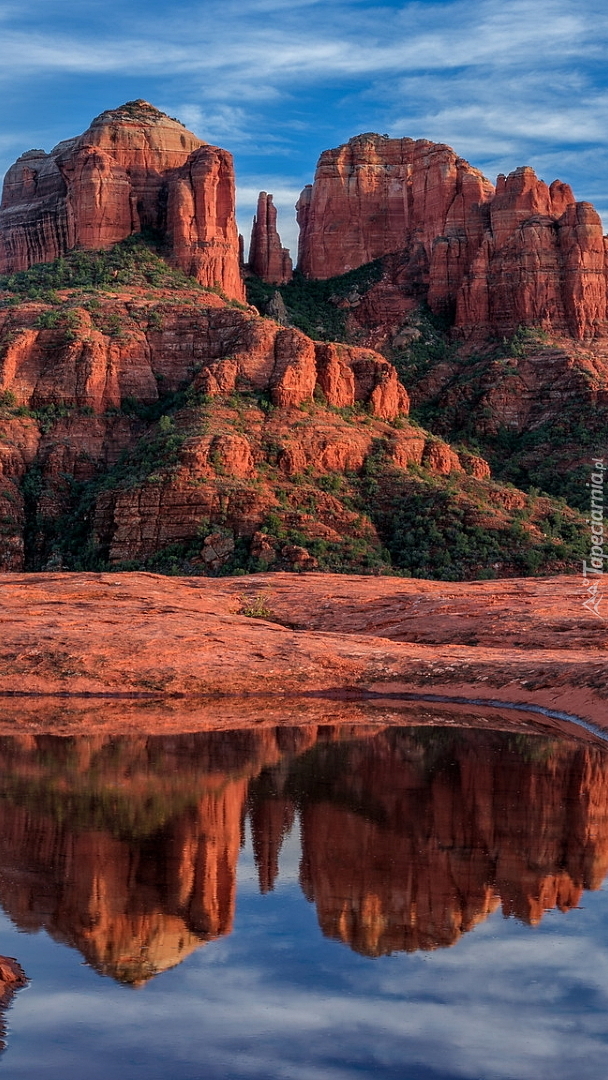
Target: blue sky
[{"x": 505, "y": 82}]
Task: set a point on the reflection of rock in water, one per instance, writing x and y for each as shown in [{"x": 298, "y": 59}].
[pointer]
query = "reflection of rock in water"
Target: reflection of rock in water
[
  {"x": 453, "y": 824},
  {"x": 127, "y": 848},
  {"x": 12, "y": 978}
]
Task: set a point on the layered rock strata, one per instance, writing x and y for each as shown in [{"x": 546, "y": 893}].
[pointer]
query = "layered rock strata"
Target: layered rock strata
[
  {"x": 220, "y": 348},
  {"x": 268, "y": 259},
  {"x": 133, "y": 170},
  {"x": 488, "y": 259},
  {"x": 83, "y": 381}
]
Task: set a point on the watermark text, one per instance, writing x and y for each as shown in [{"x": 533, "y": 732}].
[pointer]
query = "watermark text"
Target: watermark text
[{"x": 594, "y": 570}]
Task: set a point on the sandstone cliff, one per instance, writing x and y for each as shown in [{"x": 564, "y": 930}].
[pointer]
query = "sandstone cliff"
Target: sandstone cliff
[
  {"x": 268, "y": 259},
  {"x": 133, "y": 170},
  {"x": 487, "y": 259}
]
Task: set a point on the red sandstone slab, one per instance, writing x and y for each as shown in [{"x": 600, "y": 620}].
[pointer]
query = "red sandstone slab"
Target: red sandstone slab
[{"x": 144, "y": 634}]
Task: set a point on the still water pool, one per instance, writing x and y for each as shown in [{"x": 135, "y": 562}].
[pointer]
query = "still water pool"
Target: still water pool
[{"x": 338, "y": 902}]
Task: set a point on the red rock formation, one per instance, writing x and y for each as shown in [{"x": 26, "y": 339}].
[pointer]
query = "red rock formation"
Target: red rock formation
[
  {"x": 490, "y": 261},
  {"x": 268, "y": 259},
  {"x": 12, "y": 978},
  {"x": 374, "y": 194},
  {"x": 201, "y": 223},
  {"x": 133, "y": 169},
  {"x": 234, "y": 350}
]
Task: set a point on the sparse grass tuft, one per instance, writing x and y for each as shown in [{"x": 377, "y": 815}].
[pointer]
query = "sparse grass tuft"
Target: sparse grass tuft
[{"x": 257, "y": 607}]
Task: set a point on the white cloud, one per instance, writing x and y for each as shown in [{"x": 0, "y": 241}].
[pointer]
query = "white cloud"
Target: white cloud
[
  {"x": 226, "y": 125},
  {"x": 340, "y": 40}
]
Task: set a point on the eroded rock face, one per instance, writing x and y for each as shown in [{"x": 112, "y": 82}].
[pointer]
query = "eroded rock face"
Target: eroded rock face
[
  {"x": 133, "y": 169},
  {"x": 221, "y": 347},
  {"x": 489, "y": 260},
  {"x": 374, "y": 193},
  {"x": 83, "y": 379},
  {"x": 268, "y": 259}
]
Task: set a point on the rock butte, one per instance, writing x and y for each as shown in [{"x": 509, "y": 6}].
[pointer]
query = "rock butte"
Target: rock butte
[
  {"x": 133, "y": 169},
  {"x": 488, "y": 259}
]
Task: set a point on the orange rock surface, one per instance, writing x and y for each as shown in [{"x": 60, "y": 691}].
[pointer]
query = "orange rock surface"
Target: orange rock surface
[
  {"x": 371, "y": 194},
  {"x": 268, "y": 259},
  {"x": 487, "y": 259},
  {"x": 85, "y": 380},
  {"x": 524, "y": 641},
  {"x": 133, "y": 169},
  {"x": 196, "y": 337},
  {"x": 12, "y": 978}
]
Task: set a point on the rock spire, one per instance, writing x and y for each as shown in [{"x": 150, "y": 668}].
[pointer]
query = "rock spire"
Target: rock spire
[{"x": 268, "y": 259}]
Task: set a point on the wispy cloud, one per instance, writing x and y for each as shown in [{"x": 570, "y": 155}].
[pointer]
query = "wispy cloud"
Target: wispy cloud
[{"x": 342, "y": 40}]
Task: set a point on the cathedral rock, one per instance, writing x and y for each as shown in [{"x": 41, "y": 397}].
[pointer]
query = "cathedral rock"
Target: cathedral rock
[
  {"x": 488, "y": 259},
  {"x": 134, "y": 169}
]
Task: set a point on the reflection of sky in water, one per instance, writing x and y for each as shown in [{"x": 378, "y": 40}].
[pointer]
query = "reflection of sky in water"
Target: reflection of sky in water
[{"x": 277, "y": 1000}]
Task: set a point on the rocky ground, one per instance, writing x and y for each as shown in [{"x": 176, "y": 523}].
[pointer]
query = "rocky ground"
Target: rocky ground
[{"x": 287, "y": 634}]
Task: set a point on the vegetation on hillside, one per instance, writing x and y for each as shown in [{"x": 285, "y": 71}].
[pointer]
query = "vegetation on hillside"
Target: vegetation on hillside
[
  {"x": 542, "y": 454},
  {"x": 313, "y": 306},
  {"x": 380, "y": 520},
  {"x": 135, "y": 261}
]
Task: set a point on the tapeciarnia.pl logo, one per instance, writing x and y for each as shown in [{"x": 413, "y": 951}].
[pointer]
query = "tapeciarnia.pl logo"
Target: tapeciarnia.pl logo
[{"x": 593, "y": 571}]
